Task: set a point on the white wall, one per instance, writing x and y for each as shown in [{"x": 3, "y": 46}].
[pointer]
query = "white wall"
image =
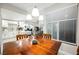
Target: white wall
[{"x": 44, "y": 26}]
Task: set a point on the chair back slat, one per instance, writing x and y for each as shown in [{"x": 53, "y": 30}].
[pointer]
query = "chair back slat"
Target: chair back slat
[
  {"x": 21, "y": 36},
  {"x": 47, "y": 36}
]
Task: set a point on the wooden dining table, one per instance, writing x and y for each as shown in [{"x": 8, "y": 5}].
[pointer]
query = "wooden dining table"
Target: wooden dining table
[{"x": 25, "y": 47}]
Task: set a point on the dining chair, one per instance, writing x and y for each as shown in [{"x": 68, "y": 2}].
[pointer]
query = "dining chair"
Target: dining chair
[
  {"x": 21, "y": 36},
  {"x": 47, "y": 36},
  {"x": 38, "y": 37}
]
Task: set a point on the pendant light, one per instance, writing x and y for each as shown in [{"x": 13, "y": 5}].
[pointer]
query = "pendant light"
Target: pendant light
[
  {"x": 41, "y": 17},
  {"x": 29, "y": 17},
  {"x": 35, "y": 12}
]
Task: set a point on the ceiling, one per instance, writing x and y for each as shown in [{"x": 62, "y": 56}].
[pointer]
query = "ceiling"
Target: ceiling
[
  {"x": 46, "y": 9},
  {"x": 29, "y": 6}
]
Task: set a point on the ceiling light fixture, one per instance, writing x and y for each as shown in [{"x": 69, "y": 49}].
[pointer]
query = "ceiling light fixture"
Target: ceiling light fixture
[
  {"x": 29, "y": 17},
  {"x": 41, "y": 17},
  {"x": 35, "y": 12}
]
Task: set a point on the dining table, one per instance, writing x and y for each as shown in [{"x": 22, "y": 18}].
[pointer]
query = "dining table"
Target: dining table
[{"x": 25, "y": 47}]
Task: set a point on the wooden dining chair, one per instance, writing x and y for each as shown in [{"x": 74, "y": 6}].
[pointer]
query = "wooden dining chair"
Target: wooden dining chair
[
  {"x": 25, "y": 36},
  {"x": 38, "y": 37},
  {"x": 78, "y": 50},
  {"x": 21, "y": 36},
  {"x": 47, "y": 36}
]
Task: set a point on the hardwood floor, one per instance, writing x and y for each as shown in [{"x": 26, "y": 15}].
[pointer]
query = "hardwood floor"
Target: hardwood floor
[{"x": 24, "y": 47}]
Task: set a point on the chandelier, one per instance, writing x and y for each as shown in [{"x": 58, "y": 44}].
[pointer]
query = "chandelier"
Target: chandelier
[{"x": 35, "y": 13}]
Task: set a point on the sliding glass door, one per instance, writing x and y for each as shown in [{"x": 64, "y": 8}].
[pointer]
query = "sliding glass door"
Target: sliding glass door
[
  {"x": 67, "y": 31},
  {"x": 63, "y": 24},
  {"x": 49, "y": 26},
  {"x": 54, "y": 30},
  {"x": 63, "y": 30}
]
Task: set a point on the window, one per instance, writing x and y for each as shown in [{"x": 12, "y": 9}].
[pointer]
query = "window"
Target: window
[
  {"x": 63, "y": 30},
  {"x": 67, "y": 31},
  {"x": 63, "y": 24}
]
